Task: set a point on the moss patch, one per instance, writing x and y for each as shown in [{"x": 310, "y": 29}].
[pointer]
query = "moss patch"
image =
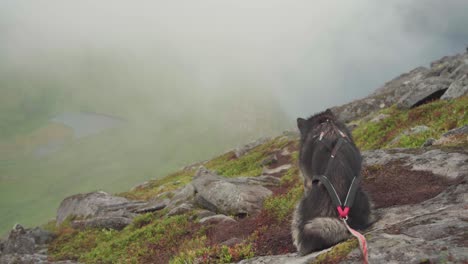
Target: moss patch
[
  {"x": 281, "y": 205},
  {"x": 337, "y": 253},
  {"x": 248, "y": 164},
  {"x": 155, "y": 187},
  {"x": 440, "y": 116}
]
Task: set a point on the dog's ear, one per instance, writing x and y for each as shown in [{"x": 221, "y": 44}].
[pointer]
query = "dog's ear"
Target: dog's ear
[{"x": 302, "y": 125}]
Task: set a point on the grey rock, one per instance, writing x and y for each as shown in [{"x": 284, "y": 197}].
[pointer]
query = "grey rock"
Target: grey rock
[
  {"x": 457, "y": 88},
  {"x": 216, "y": 219},
  {"x": 152, "y": 206},
  {"x": 457, "y": 131},
  {"x": 279, "y": 169},
  {"x": 410, "y": 88},
  {"x": 202, "y": 213},
  {"x": 429, "y": 142},
  {"x": 180, "y": 209},
  {"x": 18, "y": 242},
  {"x": 30, "y": 259},
  {"x": 389, "y": 94},
  {"x": 448, "y": 164},
  {"x": 379, "y": 118},
  {"x": 240, "y": 151},
  {"x": 263, "y": 180},
  {"x": 40, "y": 235},
  {"x": 116, "y": 223},
  {"x": 228, "y": 196},
  {"x": 270, "y": 160},
  {"x": 184, "y": 195},
  {"x": 95, "y": 204},
  {"x": 422, "y": 91},
  {"x": 434, "y": 228}
]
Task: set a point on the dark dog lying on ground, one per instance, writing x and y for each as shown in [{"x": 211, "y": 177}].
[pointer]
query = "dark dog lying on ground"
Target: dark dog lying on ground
[{"x": 316, "y": 224}]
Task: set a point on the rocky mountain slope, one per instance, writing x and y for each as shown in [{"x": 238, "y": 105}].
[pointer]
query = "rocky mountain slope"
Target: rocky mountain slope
[{"x": 236, "y": 208}]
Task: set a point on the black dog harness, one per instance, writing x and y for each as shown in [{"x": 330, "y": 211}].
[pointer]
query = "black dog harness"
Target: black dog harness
[{"x": 342, "y": 208}]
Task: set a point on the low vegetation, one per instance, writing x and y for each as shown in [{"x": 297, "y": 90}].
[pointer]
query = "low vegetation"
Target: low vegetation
[{"x": 439, "y": 116}]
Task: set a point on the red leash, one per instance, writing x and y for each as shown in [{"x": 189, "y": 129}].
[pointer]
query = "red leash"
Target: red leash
[{"x": 361, "y": 239}]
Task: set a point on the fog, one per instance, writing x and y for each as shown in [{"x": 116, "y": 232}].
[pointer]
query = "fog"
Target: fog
[
  {"x": 190, "y": 79},
  {"x": 307, "y": 54}
]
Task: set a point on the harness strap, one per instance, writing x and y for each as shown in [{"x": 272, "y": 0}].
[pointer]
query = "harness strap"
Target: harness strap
[
  {"x": 352, "y": 192},
  {"x": 342, "y": 208},
  {"x": 331, "y": 190}
]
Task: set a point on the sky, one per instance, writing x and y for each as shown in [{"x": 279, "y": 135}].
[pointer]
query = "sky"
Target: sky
[{"x": 307, "y": 55}]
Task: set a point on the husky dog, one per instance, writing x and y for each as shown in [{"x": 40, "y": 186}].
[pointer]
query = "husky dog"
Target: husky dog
[{"x": 316, "y": 224}]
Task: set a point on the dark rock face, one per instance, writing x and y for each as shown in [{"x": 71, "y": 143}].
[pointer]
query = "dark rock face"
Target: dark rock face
[{"x": 447, "y": 78}]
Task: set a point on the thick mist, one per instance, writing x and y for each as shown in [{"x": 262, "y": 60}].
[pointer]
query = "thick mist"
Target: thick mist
[
  {"x": 307, "y": 54},
  {"x": 190, "y": 79}
]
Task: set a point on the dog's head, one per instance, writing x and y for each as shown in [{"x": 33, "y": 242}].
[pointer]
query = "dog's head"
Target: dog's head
[{"x": 321, "y": 122}]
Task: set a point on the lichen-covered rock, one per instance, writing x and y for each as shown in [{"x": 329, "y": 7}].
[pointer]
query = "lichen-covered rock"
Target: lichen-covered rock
[
  {"x": 457, "y": 88},
  {"x": 184, "y": 195},
  {"x": 423, "y": 90},
  {"x": 228, "y": 196},
  {"x": 180, "y": 209},
  {"x": 115, "y": 222},
  {"x": 96, "y": 204},
  {"x": 451, "y": 164},
  {"x": 18, "y": 242},
  {"x": 216, "y": 219},
  {"x": 447, "y": 78}
]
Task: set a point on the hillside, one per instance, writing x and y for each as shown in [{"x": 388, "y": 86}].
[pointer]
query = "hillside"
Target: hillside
[
  {"x": 237, "y": 206},
  {"x": 154, "y": 138}
]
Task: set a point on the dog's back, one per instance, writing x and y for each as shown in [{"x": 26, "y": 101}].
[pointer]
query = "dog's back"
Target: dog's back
[{"x": 316, "y": 224}]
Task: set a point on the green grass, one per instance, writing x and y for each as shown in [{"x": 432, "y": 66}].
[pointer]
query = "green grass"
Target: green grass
[
  {"x": 337, "y": 253},
  {"x": 248, "y": 164},
  {"x": 281, "y": 206},
  {"x": 149, "y": 238},
  {"x": 440, "y": 116}
]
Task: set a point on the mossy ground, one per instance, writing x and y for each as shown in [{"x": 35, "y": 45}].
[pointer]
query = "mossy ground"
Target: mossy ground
[{"x": 440, "y": 116}]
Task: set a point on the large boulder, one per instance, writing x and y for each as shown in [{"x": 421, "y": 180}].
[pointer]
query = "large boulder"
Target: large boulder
[
  {"x": 97, "y": 204},
  {"x": 27, "y": 246},
  {"x": 426, "y": 90},
  {"x": 19, "y": 242},
  {"x": 446, "y": 79},
  {"x": 228, "y": 196},
  {"x": 457, "y": 88}
]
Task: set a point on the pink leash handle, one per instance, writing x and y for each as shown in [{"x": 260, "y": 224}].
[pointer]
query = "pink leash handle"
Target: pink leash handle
[{"x": 362, "y": 242}]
